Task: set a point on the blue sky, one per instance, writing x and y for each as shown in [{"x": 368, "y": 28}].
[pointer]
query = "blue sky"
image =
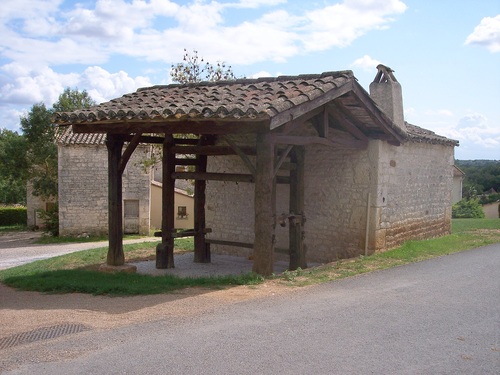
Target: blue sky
[{"x": 446, "y": 53}]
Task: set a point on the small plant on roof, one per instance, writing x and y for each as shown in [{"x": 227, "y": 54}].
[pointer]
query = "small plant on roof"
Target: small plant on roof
[{"x": 194, "y": 69}]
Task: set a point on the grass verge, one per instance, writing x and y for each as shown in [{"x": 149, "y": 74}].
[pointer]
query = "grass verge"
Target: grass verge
[
  {"x": 76, "y": 272},
  {"x": 466, "y": 234}
]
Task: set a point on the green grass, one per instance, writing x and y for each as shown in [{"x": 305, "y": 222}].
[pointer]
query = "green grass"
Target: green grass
[
  {"x": 76, "y": 272},
  {"x": 118, "y": 284},
  {"x": 13, "y": 228},
  {"x": 466, "y": 234}
]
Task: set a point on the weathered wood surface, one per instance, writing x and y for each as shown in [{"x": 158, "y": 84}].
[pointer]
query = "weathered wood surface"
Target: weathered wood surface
[
  {"x": 115, "y": 256},
  {"x": 201, "y": 250},
  {"x": 296, "y": 227},
  {"x": 165, "y": 250},
  {"x": 265, "y": 207}
]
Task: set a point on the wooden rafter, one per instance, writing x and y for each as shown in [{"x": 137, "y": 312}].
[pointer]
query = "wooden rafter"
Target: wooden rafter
[
  {"x": 378, "y": 117},
  {"x": 306, "y": 108},
  {"x": 304, "y": 141},
  {"x": 241, "y": 154},
  {"x": 345, "y": 120}
]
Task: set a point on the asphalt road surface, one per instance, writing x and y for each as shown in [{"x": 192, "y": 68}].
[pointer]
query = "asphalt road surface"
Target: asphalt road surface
[{"x": 440, "y": 316}]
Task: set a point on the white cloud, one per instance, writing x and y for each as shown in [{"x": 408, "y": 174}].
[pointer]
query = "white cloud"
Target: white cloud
[
  {"x": 486, "y": 34},
  {"x": 260, "y": 74},
  {"x": 340, "y": 24},
  {"x": 439, "y": 112},
  {"x": 158, "y": 30},
  {"x": 102, "y": 85},
  {"x": 366, "y": 63}
]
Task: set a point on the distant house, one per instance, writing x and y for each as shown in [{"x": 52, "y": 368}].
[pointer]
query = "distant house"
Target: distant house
[
  {"x": 83, "y": 189},
  {"x": 458, "y": 179}
]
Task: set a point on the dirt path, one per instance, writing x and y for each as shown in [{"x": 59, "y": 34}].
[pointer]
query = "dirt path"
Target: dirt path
[{"x": 24, "y": 311}]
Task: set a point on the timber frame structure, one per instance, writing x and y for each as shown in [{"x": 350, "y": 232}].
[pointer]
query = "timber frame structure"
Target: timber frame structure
[{"x": 271, "y": 111}]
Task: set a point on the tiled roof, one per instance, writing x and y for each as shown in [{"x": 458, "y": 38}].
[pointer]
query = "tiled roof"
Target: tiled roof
[
  {"x": 273, "y": 100},
  {"x": 418, "y": 134},
  {"x": 65, "y": 135},
  {"x": 261, "y": 98}
]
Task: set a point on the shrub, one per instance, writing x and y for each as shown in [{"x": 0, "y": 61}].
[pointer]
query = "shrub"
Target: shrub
[
  {"x": 50, "y": 218},
  {"x": 467, "y": 208},
  {"x": 13, "y": 215}
]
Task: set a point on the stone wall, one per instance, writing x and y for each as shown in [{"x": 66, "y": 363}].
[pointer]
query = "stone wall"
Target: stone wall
[
  {"x": 412, "y": 194},
  {"x": 409, "y": 188},
  {"x": 83, "y": 189}
]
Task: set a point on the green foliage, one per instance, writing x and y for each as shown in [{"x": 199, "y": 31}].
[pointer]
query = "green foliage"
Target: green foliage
[
  {"x": 489, "y": 198},
  {"x": 13, "y": 167},
  {"x": 33, "y": 155},
  {"x": 194, "y": 69},
  {"x": 70, "y": 100},
  {"x": 480, "y": 175},
  {"x": 10, "y": 216},
  {"x": 50, "y": 218},
  {"x": 467, "y": 208}
]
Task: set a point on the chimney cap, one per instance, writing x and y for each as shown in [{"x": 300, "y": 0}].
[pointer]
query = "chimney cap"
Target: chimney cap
[{"x": 384, "y": 74}]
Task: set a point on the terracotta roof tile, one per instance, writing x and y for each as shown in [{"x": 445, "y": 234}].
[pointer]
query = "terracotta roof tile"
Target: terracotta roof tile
[
  {"x": 244, "y": 98},
  {"x": 418, "y": 134}
]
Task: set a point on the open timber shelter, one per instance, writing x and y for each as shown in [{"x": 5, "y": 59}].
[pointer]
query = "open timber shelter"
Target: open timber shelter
[{"x": 307, "y": 167}]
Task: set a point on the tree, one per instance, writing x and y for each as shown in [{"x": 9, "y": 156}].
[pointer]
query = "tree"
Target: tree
[
  {"x": 71, "y": 100},
  {"x": 13, "y": 167},
  {"x": 194, "y": 69},
  {"x": 39, "y": 133}
]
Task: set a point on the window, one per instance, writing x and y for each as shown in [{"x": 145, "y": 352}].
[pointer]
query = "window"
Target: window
[
  {"x": 182, "y": 212},
  {"x": 131, "y": 208}
]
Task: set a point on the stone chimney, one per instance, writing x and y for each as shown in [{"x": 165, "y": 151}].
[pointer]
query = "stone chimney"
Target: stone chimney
[{"x": 386, "y": 91}]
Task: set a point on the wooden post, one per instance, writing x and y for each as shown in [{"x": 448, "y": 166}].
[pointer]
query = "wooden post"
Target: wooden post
[
  {"x": 201, "y": 250},
  {"x": 115, "y": 206},
  {"x": 265, "y": 218},
  {"x": 296, "y": 233},
  {"x": 165, "y": 250}
]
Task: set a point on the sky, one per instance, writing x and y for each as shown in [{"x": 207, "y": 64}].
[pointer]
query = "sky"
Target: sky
[{"x": 445, "y": 54}]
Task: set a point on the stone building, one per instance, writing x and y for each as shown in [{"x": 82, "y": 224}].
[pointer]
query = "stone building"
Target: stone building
[
  {"x": 308, "y": 167},
  {"x": 83, "y": 189}
]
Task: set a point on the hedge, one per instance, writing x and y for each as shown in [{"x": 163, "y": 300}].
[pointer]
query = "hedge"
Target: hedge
[{"x": 13, "y": 216}]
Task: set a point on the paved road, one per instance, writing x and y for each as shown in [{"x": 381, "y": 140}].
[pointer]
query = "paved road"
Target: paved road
[
  {"x": 435, "y": 317},
  {"x": 17, "y": 248}
]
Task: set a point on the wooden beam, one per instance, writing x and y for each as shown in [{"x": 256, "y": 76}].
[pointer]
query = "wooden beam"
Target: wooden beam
[
  {"x": 281, "y": 159},
  {"x": 186, "y": 161},
  {"x": 165, "y": 250},
  {"x": 296, "y": 205},
  {"x": 177, "y": 126},
  {"x": 210, "y": 150},
  {"x": 293, "y": 124},
  {"x": 129, "y": 151},
  {"x": 265, "y": 207},
  {"x": 201, "y": 249},
  {"x": 346, "y": 120},
  {"x": 228, "y": 177},
  {"x": 241, "y": 154},
  {"x": 115, "y": 255},
  {"x": 298, "y": 111},
  {"x": 304, "y": 141},
  {"x": 385, "y": 123}
]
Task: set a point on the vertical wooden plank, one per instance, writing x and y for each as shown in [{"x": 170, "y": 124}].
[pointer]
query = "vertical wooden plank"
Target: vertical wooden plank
[
  {"x": 265, "y": 220},
  {"x": 165, "y": 250},
  {"x": 296, "y": 228},
  {"x": 115, "y": 206},
  {"x": 201, "y": 250}
]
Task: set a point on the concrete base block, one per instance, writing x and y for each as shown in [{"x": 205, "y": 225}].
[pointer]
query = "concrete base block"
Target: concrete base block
[{"x": 128, "y": 268}]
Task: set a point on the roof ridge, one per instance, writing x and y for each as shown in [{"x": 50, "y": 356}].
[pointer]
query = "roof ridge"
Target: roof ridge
[{"x": 248, "y": 81}]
